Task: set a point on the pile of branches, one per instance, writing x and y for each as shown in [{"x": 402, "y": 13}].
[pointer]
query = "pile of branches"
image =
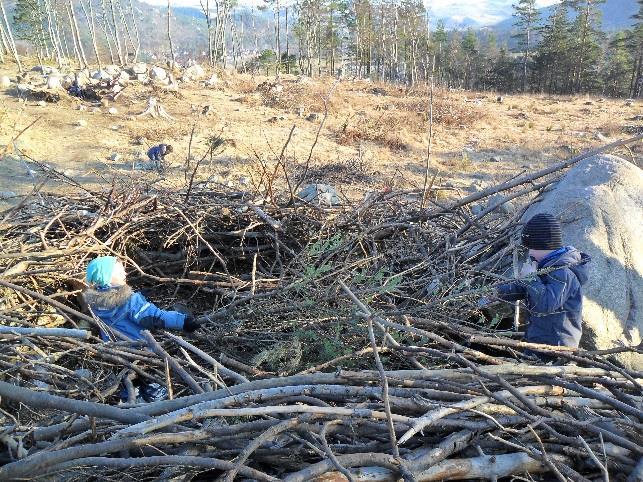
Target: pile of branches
[{"x": 339, "y": 344}]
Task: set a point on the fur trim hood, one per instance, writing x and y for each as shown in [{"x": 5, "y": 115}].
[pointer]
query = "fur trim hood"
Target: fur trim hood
[{"x": 108, "y": 299}]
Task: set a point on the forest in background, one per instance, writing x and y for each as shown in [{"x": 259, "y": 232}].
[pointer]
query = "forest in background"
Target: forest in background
[{"x": 564, "y": 52}]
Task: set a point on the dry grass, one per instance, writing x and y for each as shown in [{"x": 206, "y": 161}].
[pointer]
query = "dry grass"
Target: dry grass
[{"x": 384, "y": 130}]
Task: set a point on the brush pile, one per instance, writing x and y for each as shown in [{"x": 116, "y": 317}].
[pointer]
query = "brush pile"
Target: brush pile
[{"x": 339, "y": 344}]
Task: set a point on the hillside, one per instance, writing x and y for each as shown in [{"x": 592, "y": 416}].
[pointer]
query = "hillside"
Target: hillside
[{"x": 615, "y": 15}]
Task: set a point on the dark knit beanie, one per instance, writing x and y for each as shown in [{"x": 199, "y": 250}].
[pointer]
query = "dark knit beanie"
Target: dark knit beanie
[{"x": 542, "y": 232}]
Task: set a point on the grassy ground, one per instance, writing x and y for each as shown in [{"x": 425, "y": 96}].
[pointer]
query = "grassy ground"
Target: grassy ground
[{"x": 375, "y": 135}]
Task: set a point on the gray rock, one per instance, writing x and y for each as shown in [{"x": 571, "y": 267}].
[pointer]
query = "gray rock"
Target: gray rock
[
  {"x": 495, "y": 159},
  {"x": 81, "y": 123},
  {"x": 101, "y": 75},
  {"x": 142, "y": 77},
  {"x": 320, "y": 194},
  {"x": 115, "y": 157},
  {"x": 139, "y": 68},
  {"x": 600, "y": 205},
  {"x": 7, "y": 194},
  {"x": 312, "y": 117},
  {"x": 5, "y": 82},
  {"x": 113, "y": 110},
  {"x": 157, "y": 73},
  {"x": 195, "y": 72},
  {"x": 53, "y": 82},
  {"x": 505, "y": 208},
  {"x": 112, "y": 70}
]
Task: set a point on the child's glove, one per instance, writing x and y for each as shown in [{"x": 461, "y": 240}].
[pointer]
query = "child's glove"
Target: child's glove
[
  {"x": 191, "y": 324},
  {"x": 528, "y": 269}
]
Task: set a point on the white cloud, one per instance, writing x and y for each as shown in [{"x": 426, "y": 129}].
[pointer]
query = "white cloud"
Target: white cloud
[{"x": 486, "y": 12}]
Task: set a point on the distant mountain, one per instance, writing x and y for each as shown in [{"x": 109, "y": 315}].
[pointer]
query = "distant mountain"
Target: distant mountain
[{"x": 616, "y": 15}]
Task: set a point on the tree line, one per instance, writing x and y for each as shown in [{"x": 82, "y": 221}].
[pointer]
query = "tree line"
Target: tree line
[{"x": 387, "y": 40}]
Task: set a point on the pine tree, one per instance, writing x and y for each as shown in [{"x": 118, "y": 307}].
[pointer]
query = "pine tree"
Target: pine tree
[
  {"x": 527, "y": 18},
  {"x": 552, "y": 63},
  {"x": 618, "y": 67},
  {"x": 588, "y": 37},
  {"x": 634, "y": 43}
]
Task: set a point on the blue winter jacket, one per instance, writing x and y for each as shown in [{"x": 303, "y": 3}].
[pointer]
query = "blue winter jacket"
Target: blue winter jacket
[
  {"x": 554, "y": 300},
  {"x": 130, "y": 313},
  {"x": 157, "y": 153}
]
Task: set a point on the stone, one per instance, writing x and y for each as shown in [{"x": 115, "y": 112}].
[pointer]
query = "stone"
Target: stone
[
  {"x": 83, "y": 77},
  {"x": 505, "y": 208},
  {"x": 5, "y": 82},
  {"x": 67, "y": 81},
  {"x": 320, "y": 194},
  {"x": 212, "y": 81},
  {"x": 112, "y": 70},
  {"x": 122, "y": 77},
  {"x": 495, "y": 159},
  {"x": 139, "y": 68},
  {"x": 95, "y": 110},
  {"x": 41, "y": 103},
  {"x": 113, "y": 110},
  {"x": 7, "y": 194},
  {"x": 195, "y": 72},
  {"x": 81, "y": 123},
  {"x": 115, "y": 157},
  {"x": 300, "y": 111},
  {"x": 53, "y": 82},
  {"x": 158, "y": 73},
  {"x": 140, "y": 141},
  {"x": 313, "y": 116},
  {"x": 142, "y": 77},
  {"x": 81, "y": 107},
  {"x": 499, "y": 99},
  {"x": 598, "y": 203},
  {"x": 23, "y": 89},
  {"x": 101, "y": 75}
]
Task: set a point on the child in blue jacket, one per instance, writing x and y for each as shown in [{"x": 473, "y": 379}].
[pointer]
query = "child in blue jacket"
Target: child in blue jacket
[
  {"x": 554, "y": 299},
  {"x": 120, "y": 308},
  {"x": 157, "y": 154}
]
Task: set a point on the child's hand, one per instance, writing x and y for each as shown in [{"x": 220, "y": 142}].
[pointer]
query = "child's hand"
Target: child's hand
[{"x": 528, "y": 269}]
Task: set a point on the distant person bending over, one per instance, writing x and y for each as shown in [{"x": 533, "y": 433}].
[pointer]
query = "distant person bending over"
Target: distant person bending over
[
  {"x": 114, "y": 302},
  {"x": 554, "y": 299},
  {"x": 157, "y": 154}
]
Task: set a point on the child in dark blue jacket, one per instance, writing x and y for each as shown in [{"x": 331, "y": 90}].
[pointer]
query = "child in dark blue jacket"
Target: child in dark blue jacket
[
  {"x": 157, "y": 154},
  {"x": 554, "y": 298}
]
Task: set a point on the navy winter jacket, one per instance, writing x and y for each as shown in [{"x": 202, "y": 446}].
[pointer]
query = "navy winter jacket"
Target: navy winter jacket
[
  {"x": 130, "y": 313},
  {"x": 554, "y": 300},
  {"x": 157, "y": 153}
]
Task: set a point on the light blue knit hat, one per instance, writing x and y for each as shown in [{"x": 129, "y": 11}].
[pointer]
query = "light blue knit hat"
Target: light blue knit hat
[{"x": 99, "y": 271}]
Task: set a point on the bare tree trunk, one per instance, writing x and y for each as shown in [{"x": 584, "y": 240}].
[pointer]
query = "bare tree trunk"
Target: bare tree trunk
[
  {"x": 11, "y": 41},
  {"x": 137, "y": 34},
  {"x": 208, "y": 21},
  {"x": 129, "y": 39},
  {"x": 254, "y": 32},
  {"x": 76, "y": 35},
  {"x": 287, "y": 45},
  {"x": 73, "y": 38},
  {"x": 92, "y": 29},
  {"x": 108, "y": 31},
  {"x": 169, "y": 33},
  {"x": 117, "y": 37},
  {"x": 52, "y": 34}
]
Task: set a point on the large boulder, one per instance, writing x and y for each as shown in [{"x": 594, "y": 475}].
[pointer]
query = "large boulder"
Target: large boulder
[
  {"x": 158, "y": 73},
  {"x": 54, "y": 82},
  {"x": 194, "y": 72},
  {"x": 139, "y": 68},
  {"x": 5, "y": 82},
  {"x": 112, "y": 70},
  {"x": 600, "y": 205}
]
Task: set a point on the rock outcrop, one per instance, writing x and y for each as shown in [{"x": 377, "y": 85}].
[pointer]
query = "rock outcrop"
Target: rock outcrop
[{"x": 600, "y": 205}]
